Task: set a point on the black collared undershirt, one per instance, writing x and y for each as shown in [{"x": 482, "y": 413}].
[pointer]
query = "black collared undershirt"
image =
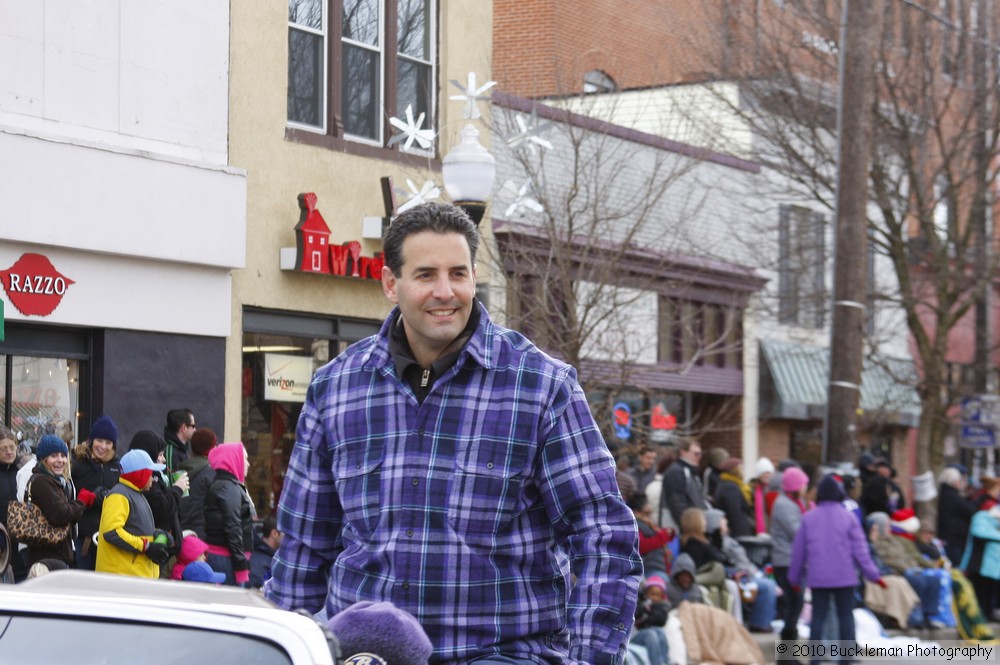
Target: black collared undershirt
[{"x": 421, "y": 380}]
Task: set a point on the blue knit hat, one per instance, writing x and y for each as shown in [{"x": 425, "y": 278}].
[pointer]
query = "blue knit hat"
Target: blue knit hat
[
  {"x": 50, "y": 444},
  {"x": 829, "y": 489},
  {"x": 104, "y": 428}
]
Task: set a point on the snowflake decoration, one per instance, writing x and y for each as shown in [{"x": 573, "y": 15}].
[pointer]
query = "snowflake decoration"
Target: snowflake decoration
[
  {"x": 470, "y": 95},
  {"x": 522, "y": 197},
  {"x": 417, "y": 196},
  {"x": 530, "y": 132},
  {"x": 410, "y": 131}
]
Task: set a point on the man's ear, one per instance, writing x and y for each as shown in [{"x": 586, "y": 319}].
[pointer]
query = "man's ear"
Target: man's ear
[{"x": 389, "y": 284}]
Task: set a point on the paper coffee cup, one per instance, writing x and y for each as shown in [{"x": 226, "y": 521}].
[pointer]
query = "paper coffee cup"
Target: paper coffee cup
[{"x": 177, "y": 475}]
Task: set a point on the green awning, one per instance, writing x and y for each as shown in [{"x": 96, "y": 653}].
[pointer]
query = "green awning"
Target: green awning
[{"x": 794, "y": 378}]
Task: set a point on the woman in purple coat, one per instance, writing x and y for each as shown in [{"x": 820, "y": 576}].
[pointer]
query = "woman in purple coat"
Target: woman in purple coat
[{"x": 828, "y": 549}]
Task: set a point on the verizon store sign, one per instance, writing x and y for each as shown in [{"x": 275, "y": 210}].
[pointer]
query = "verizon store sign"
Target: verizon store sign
[{"x": 286, "y": 378}]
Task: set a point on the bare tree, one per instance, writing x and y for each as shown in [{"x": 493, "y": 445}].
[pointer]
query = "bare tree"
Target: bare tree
[
  {"x": 934, "y": 161},
  {"x": 591, "y": 227}
]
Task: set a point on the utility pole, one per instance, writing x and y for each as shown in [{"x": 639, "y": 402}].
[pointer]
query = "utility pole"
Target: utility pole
[
  {"x": 980, "y": 210},
  {"x": 854, "y": 132}
]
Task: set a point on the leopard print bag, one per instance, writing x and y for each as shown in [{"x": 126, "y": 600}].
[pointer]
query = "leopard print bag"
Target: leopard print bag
[{"x": 27, "y": 524}]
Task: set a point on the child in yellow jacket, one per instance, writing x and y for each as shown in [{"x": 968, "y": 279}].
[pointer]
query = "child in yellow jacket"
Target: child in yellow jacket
[{"x": 129, "y": 543}]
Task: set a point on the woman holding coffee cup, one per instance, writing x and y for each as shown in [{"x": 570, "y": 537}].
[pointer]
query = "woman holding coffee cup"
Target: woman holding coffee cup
[{"x": 164, "y": 499}]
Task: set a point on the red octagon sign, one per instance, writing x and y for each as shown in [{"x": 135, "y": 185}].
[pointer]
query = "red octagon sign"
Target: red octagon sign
[{"x": 34, "y": 285}]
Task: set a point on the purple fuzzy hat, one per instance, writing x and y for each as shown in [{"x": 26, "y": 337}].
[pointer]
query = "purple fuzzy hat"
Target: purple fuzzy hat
[{"x": 383, "y": 630}]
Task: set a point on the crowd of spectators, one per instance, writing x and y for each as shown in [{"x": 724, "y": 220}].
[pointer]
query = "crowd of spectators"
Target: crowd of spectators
[
  {"x": 769, "y": 546},
  {"x": 129, "y": 512}
]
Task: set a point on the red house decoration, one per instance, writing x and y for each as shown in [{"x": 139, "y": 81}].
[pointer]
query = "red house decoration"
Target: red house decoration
[
  {"x": 313, "y": 252},
  {"x": 312, "y": 237}
]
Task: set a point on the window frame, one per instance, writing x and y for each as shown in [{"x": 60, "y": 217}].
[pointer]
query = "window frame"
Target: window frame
[{"x": 332, "y": 135}]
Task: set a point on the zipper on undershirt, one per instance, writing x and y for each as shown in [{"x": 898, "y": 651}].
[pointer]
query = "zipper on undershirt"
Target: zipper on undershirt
[{"x": 424, "y": 378}]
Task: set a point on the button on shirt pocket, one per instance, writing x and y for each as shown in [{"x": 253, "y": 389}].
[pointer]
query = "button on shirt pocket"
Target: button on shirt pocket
[
  {"x": 486, "y": 489},
  {"x": 358, "y": 473}
]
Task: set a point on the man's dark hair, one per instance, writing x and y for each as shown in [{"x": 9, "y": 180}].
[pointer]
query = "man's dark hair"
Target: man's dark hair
[
  {"x": 686, "y": 443},
  {"x": 433, "y": 217},
  {"x": 637, "y": 501},
  {"x": 269, "y": 525},
  {"x": 178, "y": 417}
]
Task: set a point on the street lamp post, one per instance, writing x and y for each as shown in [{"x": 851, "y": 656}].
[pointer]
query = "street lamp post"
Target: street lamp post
[{"x": 468, "y": 171}]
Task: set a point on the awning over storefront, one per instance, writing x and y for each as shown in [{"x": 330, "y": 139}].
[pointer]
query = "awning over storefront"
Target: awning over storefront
[{"x": 794, "y": 377}]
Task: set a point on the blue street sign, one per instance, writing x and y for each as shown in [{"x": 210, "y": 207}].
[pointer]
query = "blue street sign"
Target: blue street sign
[
  {"x": 977, "y": 436},
  {"x": 978, "y": 429}
]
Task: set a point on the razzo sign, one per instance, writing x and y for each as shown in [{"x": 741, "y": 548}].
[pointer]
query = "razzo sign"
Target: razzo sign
[{"x": 34, "y": 285}]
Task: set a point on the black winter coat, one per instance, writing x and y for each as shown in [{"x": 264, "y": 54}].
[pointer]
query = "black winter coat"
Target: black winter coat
[
  {"x": 8, "y": 488},
  {"x": 649, "y": 614},
  {"x": 260, "y": 565},
  {"x": 98, "y": 477},
  {"x": 192, "y": 508},
  {"x": 953, "y": 518},
  {"x": 165, "y": 503},
  {"x": 702, "y": 552},
  {"x": 229, "y": 518},
  {"x": 875, "y": 496},
  {"x": 730, "y": 500},
  {"x": 681, "y": 490},
  {"x": 175, "y": 452}
]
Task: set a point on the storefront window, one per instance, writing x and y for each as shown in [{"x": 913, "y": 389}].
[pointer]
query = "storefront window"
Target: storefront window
[
  {"x": 276, "y": 373},
  {"x": 278, "y": 363},
  {"x": 44, "y": 397}
]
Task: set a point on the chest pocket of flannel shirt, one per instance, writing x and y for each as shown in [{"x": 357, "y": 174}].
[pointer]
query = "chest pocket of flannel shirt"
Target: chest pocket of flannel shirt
[
  {"x": 486, "y": 491},
  {"x": 358, "y": 470}
]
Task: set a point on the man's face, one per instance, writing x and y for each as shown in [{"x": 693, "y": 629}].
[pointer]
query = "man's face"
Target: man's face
[
  {"x": 187, "y": 431},
  {"x": 692, "y": 455},
  {"x": 434, "y": 291},
  {"x": 684, "y": 580},
  {"x": 647, "y": 460}
]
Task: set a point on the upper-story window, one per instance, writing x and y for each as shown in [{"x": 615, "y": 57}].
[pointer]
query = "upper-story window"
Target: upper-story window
[
  {"x": 353, "y": 64},
  {"x": 597, "y": 81},
  {"x": 801, "y": 272},
  {"x": 705, "y": 334}
]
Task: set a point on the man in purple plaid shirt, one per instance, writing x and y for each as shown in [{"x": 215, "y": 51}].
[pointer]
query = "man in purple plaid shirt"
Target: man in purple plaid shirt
[{"x": 450, "y": 467}]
